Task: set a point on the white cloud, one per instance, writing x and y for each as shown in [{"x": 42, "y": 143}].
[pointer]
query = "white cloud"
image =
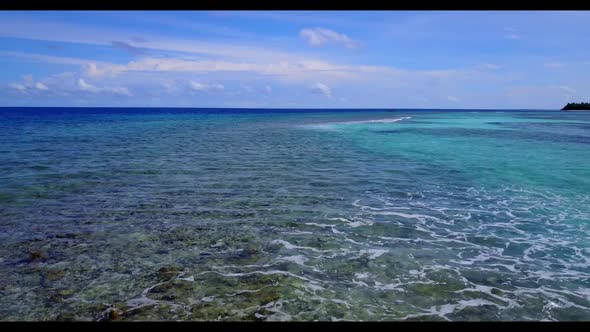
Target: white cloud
[
  {"x": 301, "y": 70},
  {"x": 197, "y": 86},
  {"x": 28, "y": 85},
  {"x": 320, "y": 37},
  {"x": 172, "y": 76},
  {"x": 127, "y": 47},
  {"x": 123, "y": 91},
  {"x": 170, "y": 86},
  {"x": 321, "y": 89},
  {"x": 55, "y": 31},
  {"x": 491, "y": 66},
  {"x": 512, "y": 33},
  {"x": 86, "y": 87},
  {"x": 17, "y": 86},
  {"x": 205, "y": 87},
  {"x": 513, "y": 36},
  {"x": 92, "y": 70},
  {"x": 291, "y": 70},
  {"x": 41, "y": 86},
  {"x": 47, "y": 59},
  {"x": 565, "y": 89},
  {"x": 247, "y": 88},
  {"x": 554, "y": 65}
]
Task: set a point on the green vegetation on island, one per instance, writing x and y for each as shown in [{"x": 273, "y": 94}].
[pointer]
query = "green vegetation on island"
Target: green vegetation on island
[{"x": 576, "y": 107}]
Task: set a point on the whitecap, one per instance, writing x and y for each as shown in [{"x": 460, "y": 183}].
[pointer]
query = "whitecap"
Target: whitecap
[
  {"x": 374, "y": 253},
  {"x": 393, "y": 120},
  {"x": 297, "y": 259}
]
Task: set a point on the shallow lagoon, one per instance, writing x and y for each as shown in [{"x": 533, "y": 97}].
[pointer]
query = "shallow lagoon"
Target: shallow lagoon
[{"x": 143, "y": 214}]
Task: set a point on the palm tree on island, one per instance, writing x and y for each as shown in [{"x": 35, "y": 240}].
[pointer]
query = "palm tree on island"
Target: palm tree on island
[{"x": 576, "y": 107}]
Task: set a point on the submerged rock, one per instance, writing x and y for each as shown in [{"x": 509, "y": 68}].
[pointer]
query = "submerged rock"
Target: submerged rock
[
  {"x": 115, "y": 314},
  {"x": 167, "y": 272},
  {"x": 66, "y": 236},
  {"x": 217, "y": 244},
  {"x": 111, "y": 314},
  {"x": 270, "y": 297},
  {"x": 36, "y": 255},
  {"x": 66, "y": 292},
  {"x": 162, "y": 288},
  {"x": 55, "y": 275},
  {"x": 259, "y": 315},
  {"x": 66, "y": 316}
]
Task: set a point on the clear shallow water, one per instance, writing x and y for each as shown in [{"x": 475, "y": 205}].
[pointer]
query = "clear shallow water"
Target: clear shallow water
[{"x": 294, "y": 215}]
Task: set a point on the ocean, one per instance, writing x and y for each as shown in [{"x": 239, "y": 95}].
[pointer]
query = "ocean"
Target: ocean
[{"x": 335, "y": 215}]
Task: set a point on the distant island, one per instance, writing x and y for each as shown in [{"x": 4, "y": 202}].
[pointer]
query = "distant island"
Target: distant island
[{"x": 576, "y": 107}]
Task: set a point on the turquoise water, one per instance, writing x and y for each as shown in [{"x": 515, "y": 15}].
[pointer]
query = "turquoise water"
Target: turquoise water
[{"x": 131, "y": 214}]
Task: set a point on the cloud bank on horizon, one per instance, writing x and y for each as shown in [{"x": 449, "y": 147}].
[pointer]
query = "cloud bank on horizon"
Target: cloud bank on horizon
[{"x": 295, "y": 59}]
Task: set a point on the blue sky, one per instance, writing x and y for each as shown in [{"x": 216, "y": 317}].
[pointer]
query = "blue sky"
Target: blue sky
[{"x": 303, "y": 59}]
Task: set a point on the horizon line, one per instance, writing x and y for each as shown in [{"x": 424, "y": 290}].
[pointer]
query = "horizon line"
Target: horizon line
[{"x": 287, "y": 108}]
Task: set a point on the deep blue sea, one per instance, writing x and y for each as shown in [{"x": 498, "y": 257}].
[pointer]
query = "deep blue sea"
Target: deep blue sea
[{"x": 233, "y": 214}]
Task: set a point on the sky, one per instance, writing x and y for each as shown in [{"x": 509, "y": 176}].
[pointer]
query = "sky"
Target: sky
[{"x": 295, "y": 59}]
